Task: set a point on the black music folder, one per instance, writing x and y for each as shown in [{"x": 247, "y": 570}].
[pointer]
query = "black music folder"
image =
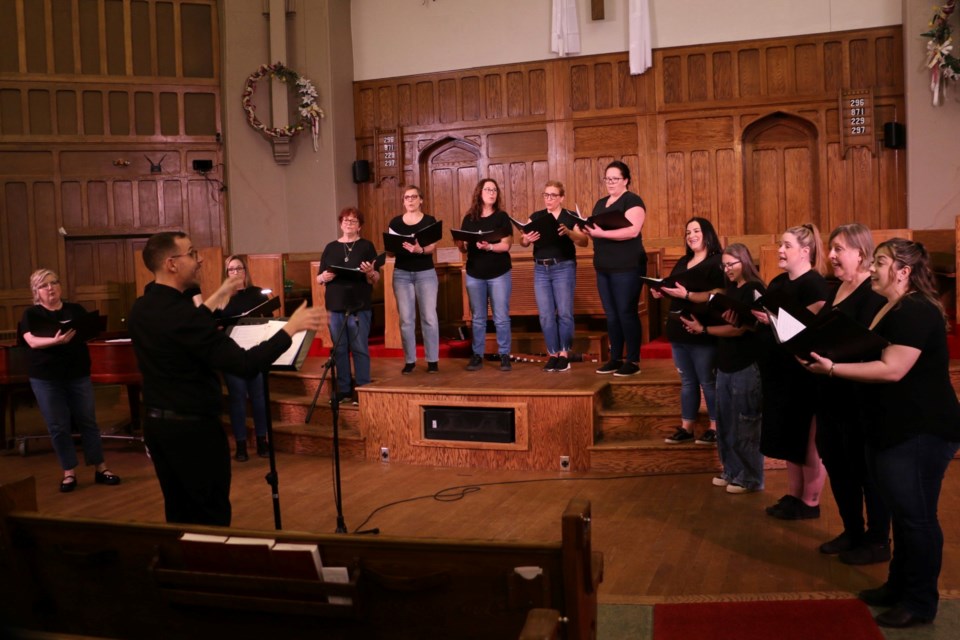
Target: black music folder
[
  {"x": 720, "y": 303},
  {"x": 249, "y": 332},
  {"x": 571, "y": 219},
  {"x": 354, "y": 273},
  {"x": 496, "y": 235},
  {"x": 609, "y": 221},
  {"x": 393, "y": 241},
  {"x": 833, "y": 335},
  {"x": 699, "y": 278},
  {"x": 546, "y": 226}
]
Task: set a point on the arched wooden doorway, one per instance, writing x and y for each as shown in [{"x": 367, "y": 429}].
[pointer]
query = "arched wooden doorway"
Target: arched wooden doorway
[
  {"x": 449, "y": 170},
  {"x": 780, "y": 172}
]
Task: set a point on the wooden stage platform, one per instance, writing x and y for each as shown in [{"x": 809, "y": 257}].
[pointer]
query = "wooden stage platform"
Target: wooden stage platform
[{"x": 569, "y": 421}]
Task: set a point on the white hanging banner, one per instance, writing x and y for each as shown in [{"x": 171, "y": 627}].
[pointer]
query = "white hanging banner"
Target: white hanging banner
[
  {"x": 565, "y": 31},
  {"x": 641, "y": 52}
]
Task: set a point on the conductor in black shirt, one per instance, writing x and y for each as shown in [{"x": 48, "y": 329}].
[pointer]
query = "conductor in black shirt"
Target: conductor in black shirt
[{"x": 179, "y": 349}]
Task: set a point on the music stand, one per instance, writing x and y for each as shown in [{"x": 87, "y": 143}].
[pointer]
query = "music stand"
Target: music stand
[{"x": 249, "y": 332}]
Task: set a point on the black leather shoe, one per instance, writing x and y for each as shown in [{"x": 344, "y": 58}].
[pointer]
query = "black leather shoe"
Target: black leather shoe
[
  {"x": 882, "y": 596},
  {"x": 68, "y": 484},
  {"x": 106, "y": 477},
  {"x": 241, "y": 455},
  {"x": 866, "y": 554},
  {"x": 899, "y": 618},
  {"x": 843, "y": 542},
  {"x": 262, "y": 450}
]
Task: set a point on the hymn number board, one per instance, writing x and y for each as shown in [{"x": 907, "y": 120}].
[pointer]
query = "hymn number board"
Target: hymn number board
[
  {"x": 389, "y": 155},
  {"x": 856, "y": 120}
]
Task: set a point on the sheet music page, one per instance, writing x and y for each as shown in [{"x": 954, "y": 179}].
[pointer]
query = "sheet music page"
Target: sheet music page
[
  {"x": 787, "y": 326},
  {"x": 289, "y": 356},
  {"x": 250, "y": 335}
]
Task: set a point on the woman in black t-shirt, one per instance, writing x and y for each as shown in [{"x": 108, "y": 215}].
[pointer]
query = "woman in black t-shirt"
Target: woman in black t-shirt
[
  {"x": 840, "y": 423},
  {"x": 347, "y": 294},
  {"x": 244, "y": 298},
  {"x": 488, "y": 272},
  {"x": 789, "y": 392},
  {"x": 59, "y": 374},
  {"x": 620, "y": 261},
  {"x": 914, "y": 421},
  {"x": 739, "y": 394},
  {"x": 415, "y": 284}
]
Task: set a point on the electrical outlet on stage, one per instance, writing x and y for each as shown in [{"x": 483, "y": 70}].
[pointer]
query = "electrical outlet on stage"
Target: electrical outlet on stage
[
  {"x": 565, "y": 463},
  {"x": 384, "y": 454}
]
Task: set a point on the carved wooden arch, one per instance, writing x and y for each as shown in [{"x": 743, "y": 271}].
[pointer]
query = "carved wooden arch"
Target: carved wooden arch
[
  {"x": 781, "y": 177},
  {"x": 449, "y": 169}
]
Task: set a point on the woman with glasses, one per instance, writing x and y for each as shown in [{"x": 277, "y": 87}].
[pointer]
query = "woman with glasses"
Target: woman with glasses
[
  {"x": 415, "y": 284},
  {"x": 914, "y": 423},
  {"x": 694, "y": 354},
  {"x": 243, "y": 298},
  {"x": 488, "y": 272},
  {"x": 555, "y": 277},
  {"x": 840, "y": 425},
  {"x": 789, "y": 425},
  {"x": 59, "y": 373},
  {"x": 739, "y": 395},
  {"x": 620, "y": 262},
  {"x": 348, "y": 300}
]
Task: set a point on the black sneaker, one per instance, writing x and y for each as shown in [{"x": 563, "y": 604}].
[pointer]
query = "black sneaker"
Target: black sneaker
[
  {"x": 551, "y": 364},
  {"x": 627, "y": 369},
  {"x": 610, "y": 366},
  {"x": 708, "y": 437},
  {"x": 505, "y": 362},
  {"x": 433, "y": 367},
  {"x": 868, "y": 553},
  {"x": 408, "y": 368},
  {"x": 843, "y": 542},
  {"x": 796, "y": 509},
  {"x": 476, "y": 363},
  {"x": 679, "y": 436},
  {"x": 563, "y": 364}
]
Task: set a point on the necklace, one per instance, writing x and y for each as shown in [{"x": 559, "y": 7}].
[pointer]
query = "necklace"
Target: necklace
[{"x": 347, "y": 250}]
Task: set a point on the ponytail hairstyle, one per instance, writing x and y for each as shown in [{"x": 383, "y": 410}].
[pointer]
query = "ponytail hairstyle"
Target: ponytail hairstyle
[
  {"x": 907, "y": 253},
  {"x": 748, "y": 269},
  {"x": 808, "y": 236}
]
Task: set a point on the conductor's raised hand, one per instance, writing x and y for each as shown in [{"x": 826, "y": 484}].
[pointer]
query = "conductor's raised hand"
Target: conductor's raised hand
[{"x": 304, "y": 319}]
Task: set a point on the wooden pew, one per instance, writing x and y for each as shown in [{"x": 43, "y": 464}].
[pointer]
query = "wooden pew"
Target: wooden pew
[{"x": 121, "y": 579}]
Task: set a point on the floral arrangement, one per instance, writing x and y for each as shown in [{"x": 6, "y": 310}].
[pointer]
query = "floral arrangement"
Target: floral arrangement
[
  {"x": 310, "y": 112},
  {"x": 942, "y": 64}
]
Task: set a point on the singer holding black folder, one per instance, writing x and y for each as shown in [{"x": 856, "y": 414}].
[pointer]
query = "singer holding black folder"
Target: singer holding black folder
[
  {"x": 348, "y": 299},
  {"x": 555, "y": 277},
  {"x": 415, "y": 284},
  {"x": 841, "y": 428},
  {"x": 789, "y": 426},
  {"x": 914, "y": 426},
  {"x": 488, "y": 272},
  {"x": 620, "y": 262},
  {"x": 180, "y": 348},
  {"x": 243, "y": 298},
  {"x": 59, "y": 374}
]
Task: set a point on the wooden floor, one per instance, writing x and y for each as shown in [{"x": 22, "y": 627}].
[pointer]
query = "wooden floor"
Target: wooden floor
[{"x": 664, "y": 538}]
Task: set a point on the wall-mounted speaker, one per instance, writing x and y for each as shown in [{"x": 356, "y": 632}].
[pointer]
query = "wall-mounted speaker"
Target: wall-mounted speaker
[
  {"x": 361, "y": 171},
  {"x": 894, "y": 135}
]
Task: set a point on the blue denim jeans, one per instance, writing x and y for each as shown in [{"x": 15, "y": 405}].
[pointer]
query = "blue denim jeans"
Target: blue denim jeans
[
  {"x": 497, "y": 290},
  {"x": 739, "y": 398},
  {"x": 696, "y": 364},
  {"x": 64, "y": 403},
  {"x": 909, "y": 477},
  {"x": 412, "y": 289},
  {"x": 355, "y": 341},
  {"x": 553, "y": 287},
  {"x": 240, "y": 389},
  {"x": 620, "y": 295}
]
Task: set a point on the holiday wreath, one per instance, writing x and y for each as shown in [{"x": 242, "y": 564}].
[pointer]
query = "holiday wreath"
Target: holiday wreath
[{"x": 307, "y": 107}]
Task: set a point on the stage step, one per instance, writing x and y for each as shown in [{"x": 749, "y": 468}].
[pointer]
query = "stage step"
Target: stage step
[
  {"x": 636, "y": 421},
  {"x": 292, "y": 408},
  {"x": 317, "y": 440},
  {"x": 648, "y": 457}
]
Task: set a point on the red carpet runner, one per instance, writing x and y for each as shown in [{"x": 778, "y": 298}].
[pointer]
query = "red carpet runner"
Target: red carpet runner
[{"x": 780, "y": 620}]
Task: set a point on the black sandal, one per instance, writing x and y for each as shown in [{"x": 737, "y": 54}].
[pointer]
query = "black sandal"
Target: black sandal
[{"x": 68, "y": 484}]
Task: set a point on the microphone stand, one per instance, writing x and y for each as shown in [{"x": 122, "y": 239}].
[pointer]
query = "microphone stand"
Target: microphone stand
[
  {"x": 330, "y": 367},
  {"x": 271, "y": 477}
]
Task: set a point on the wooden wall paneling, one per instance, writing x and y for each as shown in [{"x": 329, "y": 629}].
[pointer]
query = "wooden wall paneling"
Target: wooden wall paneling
[{"x": 266, "y": 272}]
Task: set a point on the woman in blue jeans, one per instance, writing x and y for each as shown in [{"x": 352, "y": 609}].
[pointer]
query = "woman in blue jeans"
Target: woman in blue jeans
[
  {"x": 620, "y": 262},
  {"x": 694, "y": 355},
  {"x": 739, "y": 394},
  {"x": 243, "y": 299},
  {"x": 914, "y": 420},
  {"x": 348, "y": 300},
  {"x": 555, "y": 278},
  {"x": 488, "y": 272},
  {"x": 415, "y": 281},
  {"x": 59, "y": 373}
]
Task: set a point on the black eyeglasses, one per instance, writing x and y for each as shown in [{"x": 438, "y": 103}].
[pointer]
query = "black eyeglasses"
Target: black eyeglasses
[
  {"x": 193, "y": 253},
  {"x": 46, "y": 286},
  {"x": 730, "y": 265}
]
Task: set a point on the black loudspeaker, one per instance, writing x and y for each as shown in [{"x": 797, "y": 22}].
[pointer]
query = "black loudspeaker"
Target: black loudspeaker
[
  {"x": 361, "y": 171},
  {"x": 470, "y": 424},
  {"x": 894, "y": 135}
]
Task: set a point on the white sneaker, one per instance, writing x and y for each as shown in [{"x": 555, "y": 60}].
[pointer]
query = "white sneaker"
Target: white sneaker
[
  {"x": 719, "y": 482},
  {"x": 737, "y": 489}
]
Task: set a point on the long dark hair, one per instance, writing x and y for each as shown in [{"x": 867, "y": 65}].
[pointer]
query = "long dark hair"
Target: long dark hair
[
  {"x": 476, "y": 201},
  {"x": 710, "y": 237},
  {"x": 908, "y": 253}
]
